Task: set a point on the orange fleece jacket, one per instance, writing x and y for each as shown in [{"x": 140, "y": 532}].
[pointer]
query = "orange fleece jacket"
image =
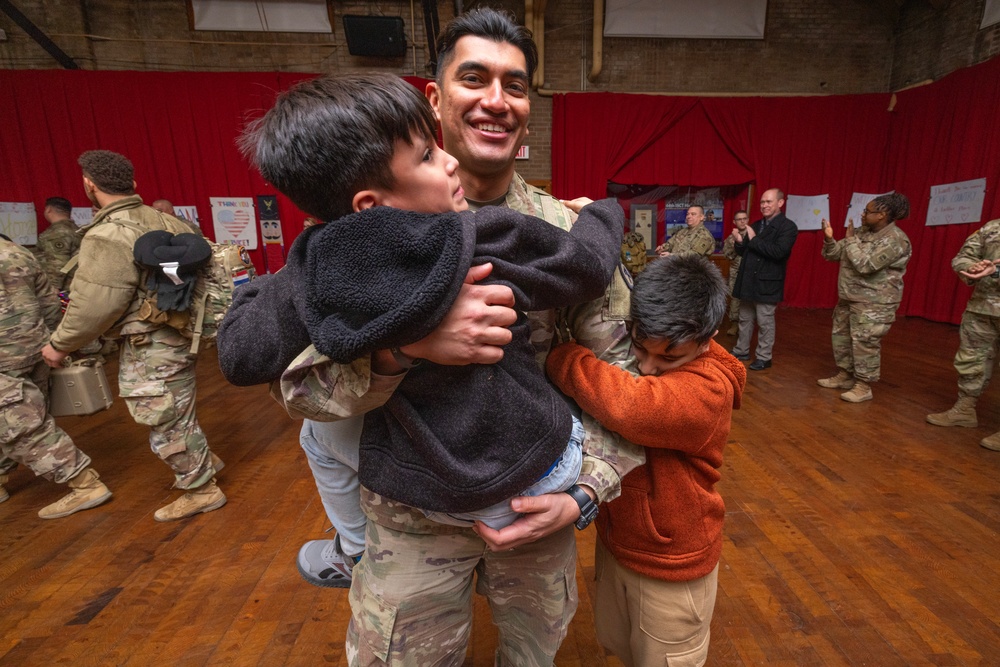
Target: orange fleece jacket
[{"x": 667, "y": 523}]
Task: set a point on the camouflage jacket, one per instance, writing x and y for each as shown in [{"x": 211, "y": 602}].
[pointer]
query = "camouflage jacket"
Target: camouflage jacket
[
  {"x": 695, "y": 240},
  {"x": 872, "y": 264},
  {"x": 57, "y": 245},
  {"x": 729, "y": 252},
  {"x": 315, "y": 387},
  {"x": 29, "y": 307},
  {"x": 108, "y": 286},
  {"x": 984, "y": 243}
]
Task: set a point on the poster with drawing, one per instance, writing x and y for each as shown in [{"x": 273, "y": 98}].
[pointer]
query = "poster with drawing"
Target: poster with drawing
[
  {"x": 808, "y": 212},
  {"x": 234, "y": 221},
  {"x": 956, "y": 203},
  {"x": 18, "y": 222}
]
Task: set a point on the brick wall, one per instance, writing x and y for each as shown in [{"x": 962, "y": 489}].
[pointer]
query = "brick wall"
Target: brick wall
[{"x": 810, "y": 47}]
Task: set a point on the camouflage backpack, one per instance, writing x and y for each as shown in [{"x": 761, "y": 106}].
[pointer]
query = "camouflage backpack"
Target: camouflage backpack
[
  {"x": 634, "y": 253},
  {"x": 227, "y": 268}
]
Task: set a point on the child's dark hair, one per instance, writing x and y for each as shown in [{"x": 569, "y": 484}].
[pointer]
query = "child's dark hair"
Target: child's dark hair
[
  {"x": 60, "y": 204},
  {"x": 895, "y": 205},
  {"x": 488, "y": 23},
  {"x": 678, "y": 298},
  {"x": 326, "y": 139}
]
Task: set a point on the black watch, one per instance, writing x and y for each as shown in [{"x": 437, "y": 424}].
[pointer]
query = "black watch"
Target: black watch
[{"x": 588, "y": 508}]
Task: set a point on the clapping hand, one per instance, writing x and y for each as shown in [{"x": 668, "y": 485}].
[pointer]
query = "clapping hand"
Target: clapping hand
[
  {"x": 827, "y": 229},
  {"x": 981, "y": 269},
  {"x": 850, "y": 227}
]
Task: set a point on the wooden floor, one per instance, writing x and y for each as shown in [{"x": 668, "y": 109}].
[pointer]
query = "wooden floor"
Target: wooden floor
[{"x": 855, "y": 535}]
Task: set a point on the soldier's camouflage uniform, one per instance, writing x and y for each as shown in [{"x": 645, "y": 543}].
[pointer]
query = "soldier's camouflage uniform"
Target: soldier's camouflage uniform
[
  {"x": 59, "y": 243},
  {"x": 729, "y": 252},
  {"x": 156, "y": 373},
  {"x": 29, "y": 307},
  {"x": 980, "y": 328},
  {"x": 870, "y": 286},
  {"x": 695, "y": 240},
  {"x": 410, "y": 598}
]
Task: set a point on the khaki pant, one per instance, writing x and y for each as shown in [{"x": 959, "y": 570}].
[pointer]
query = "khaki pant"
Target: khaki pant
[
  {"x": 649, "y": 622},
  {"x": 411, "y": 596}
]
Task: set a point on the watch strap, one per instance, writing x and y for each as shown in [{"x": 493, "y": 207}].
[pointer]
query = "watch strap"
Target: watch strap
[{"x": 588, "y": 508}]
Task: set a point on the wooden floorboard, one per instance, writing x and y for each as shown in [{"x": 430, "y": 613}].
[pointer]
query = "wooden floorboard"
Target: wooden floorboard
[{"x": 855, "y": 534}]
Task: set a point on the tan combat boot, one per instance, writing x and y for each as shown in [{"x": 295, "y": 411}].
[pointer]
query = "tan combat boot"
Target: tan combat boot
[
  {"x": 3, "y": 492},
  {"x": 88, "y": 491},
  {"x": 991, "y": 442},
  {"x": 734, "y": 329},
  {"x": 963, "y": 413},
  {"x": 859, "y": 393},
  {"x": 205, "y": 498},
  {"x": 842, "y": 380}
]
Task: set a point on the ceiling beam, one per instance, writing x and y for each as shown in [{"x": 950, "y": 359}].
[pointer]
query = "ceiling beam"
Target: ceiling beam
[{"x": 36, "y": 34}]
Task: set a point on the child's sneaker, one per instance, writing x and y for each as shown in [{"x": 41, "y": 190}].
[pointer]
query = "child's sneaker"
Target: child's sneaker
[{"x": 323, "y": 563}]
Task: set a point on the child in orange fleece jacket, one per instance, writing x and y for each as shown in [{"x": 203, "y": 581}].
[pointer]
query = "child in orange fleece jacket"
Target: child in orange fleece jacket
[{"x": 660, "y": 541}]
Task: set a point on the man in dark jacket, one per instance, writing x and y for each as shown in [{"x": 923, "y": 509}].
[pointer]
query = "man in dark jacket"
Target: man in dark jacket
[{"x": 760, "y": 285}]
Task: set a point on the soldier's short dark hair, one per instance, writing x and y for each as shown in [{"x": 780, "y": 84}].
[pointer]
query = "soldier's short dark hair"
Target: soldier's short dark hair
[
  {"x": 894, "y": 204},
  {"x": 488, "y": 23},
  {"x": 60, "y": 204},
  {"x": 678, "y": 298},
  {"x": 326, "y": 139},
  {"x": 110, "y": 171}
]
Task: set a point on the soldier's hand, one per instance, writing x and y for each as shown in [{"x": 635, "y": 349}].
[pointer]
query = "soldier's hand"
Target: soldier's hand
[
  {"x": 475, "y": 329},
  {"x": 827, "y": 229},
  {"x": 981, "y": 269},
  {"x": 543, "y": 515},
  {"x": 850, "y": 227},
  {"x": 53, "y": 357}
]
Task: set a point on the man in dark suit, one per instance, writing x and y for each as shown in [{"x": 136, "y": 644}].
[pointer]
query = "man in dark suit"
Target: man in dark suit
[{"x": 760, "y": 284}]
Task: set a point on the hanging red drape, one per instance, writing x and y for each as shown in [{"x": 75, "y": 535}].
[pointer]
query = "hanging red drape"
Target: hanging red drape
[
  {"x": 600, "y": 134},
  {"x": 179, "y": 129},
  {"x": 944, "y": 132},
  {"x": 804, "y": 145}
]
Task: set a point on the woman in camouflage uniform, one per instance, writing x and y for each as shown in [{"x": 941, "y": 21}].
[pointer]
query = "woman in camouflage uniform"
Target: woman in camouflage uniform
[{"x": 872, "y": 263}]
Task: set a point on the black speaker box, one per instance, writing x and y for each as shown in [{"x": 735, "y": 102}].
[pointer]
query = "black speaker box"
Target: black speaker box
[{"x": 377, "y": 36}]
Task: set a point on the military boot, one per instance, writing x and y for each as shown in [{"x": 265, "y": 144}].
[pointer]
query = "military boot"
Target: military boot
[
  {"x": 859, "y": 393},
  {"x": 3, "y": 492},
  {"x": 88, "y": 491},
  {"x": 991, "y": 442},
  {"x": 217, "y": 463},
  {"x": 963, "y": 413},
  {"x": 205, "y": 498},
  {"x": 842, "y": 380}
]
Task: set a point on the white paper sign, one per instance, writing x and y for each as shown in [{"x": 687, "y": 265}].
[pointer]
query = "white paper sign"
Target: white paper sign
[
  {"x": 189, "y": 213},
  {"x": 82, "y": 216},
  {"x": 808, "y": 212},
  {"x": 18, "y": 222},
  {"x": 234, "y": 220},
  {"x": 955, "y": 203},
  {"x": 859, "y": 200}
]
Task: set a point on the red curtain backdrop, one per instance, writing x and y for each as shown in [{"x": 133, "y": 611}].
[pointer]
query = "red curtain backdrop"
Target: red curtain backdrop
[
  {"x": 179, "y": 129},
  {"x": 940, "y": 133}
]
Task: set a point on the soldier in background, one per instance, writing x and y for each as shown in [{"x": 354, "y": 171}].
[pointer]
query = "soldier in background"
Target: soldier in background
[
  {"x": 156, "y": 372},
  {"x": 870, "y": 286},
  {"x": 976, "y": 263},
  {"x": 740, "y": 222},
  {"x": 695, "y": 239},
  {"x": 164, "y": 206},
  {"x": 29, "y": 310},
  {"x": 58, "y": 243}
]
